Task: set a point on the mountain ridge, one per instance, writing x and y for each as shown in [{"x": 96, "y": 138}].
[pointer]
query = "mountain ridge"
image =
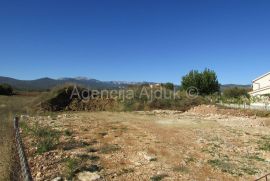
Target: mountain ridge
[{"x": 47, "y": 83}]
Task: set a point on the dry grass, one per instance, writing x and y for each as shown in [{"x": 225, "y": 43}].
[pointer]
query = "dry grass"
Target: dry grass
[
  {"x": 10, "y": 106},
  {"x": 5, "y": 149}
]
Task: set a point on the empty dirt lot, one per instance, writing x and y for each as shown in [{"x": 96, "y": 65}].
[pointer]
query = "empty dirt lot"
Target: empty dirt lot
[{"x": 156, "y": 145}]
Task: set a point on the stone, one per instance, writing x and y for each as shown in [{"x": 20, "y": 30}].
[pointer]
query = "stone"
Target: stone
[
  {"x": 88, "y": 176},
  {"x": 57, "y": 179}
]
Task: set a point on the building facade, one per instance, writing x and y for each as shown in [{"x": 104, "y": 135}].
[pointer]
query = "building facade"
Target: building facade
[{"x": 261, "y": 85}]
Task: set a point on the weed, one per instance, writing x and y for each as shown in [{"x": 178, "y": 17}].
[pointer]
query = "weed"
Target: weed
[
  {"x": 71, "y": 167},
  {"x": 106, "y": 149},
  {"x": 88, "y": 157},
  {"x": 72, "y": 144},
  {"x": 127, "y": 170},
  {"x": 92, "y": 150},
  {"x": 249, "y": 170},
  {"x": 181, "y": 169},
  {"x": 190, "y": 160},
  {"x": 255, "y": 157},
  {"x": 46, "y": 137},
  {"x": 223, "y": 165},
  {"x": 158, "y": 177}
]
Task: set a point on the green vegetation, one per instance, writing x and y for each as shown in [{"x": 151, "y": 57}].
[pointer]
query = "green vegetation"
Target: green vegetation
[
  {"x": 159, "y": 177},
  {"x": 143, "y": 98},
  {"x": 72, "y": 164},
  {"x": 76, "y": 165},
  {"x": 46, "y": 138},
  {"x": 206, "y": 82},
  {"x": 106, "y": 149},
  {"x": 6, "y": 89},
  {"x": 264, "y": 143},
  {"x": 223, "y": 165},
  {"x": 168, "y": 85},
  {"x": 181, "y": 169},
  {"x": 236, "y": 93}
]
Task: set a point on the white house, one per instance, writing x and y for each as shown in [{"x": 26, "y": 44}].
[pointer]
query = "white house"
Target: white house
[{"x": 261, "y": 85}]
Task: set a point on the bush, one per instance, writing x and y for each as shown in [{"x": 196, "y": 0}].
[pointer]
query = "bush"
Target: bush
[
  {"x": 206, "y": 82},
  {"x": 6, "y": 89},
  {"x": 236, "y": 93}
]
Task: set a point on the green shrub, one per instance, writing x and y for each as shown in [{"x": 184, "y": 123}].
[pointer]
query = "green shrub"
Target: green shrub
[
  {"x": 6, "y": 89},
  {"x": 168, "y": 85},
  {"x": 46, "y": 138},
  {"x": 236, "y": 93}
]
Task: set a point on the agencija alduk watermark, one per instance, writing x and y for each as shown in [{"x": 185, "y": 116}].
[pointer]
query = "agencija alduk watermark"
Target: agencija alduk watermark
[{"x": 145, "y": 92}]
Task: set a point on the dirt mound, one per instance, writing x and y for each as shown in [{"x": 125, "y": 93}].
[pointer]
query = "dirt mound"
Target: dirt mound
[
  {"x": 204, "y": 109},
  {"x": 63, "y": 99},
  {"x": 219, "y": 110}
]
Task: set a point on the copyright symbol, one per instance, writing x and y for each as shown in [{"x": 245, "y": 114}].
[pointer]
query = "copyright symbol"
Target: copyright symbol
[{"x": 192, "y": 92}]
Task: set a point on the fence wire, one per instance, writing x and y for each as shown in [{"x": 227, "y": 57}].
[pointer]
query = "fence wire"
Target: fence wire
[{"x": 25, "y": 170}]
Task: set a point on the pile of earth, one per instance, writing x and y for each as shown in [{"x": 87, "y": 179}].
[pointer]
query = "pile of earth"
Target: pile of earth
[
  {"x": 219, "y": 110},
  {"x": 65, "y": 99}
]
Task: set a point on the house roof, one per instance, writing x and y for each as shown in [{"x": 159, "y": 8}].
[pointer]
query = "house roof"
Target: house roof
[{"x": 261, "y": 77}]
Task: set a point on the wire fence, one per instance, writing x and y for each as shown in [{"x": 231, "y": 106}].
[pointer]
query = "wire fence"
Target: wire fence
[
  {"x": 19, "y": 152},
  {"x": 266, "y": 178}
]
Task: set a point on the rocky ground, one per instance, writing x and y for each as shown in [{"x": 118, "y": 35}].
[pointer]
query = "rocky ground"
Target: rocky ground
[{"x": 201, "y": 144}]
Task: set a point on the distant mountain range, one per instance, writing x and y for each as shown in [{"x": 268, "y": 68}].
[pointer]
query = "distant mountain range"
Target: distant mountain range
[{"x": 48, "y": 83}]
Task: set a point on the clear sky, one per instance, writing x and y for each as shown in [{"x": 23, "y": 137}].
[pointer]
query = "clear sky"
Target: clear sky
[{"x": 139, "y": 40}]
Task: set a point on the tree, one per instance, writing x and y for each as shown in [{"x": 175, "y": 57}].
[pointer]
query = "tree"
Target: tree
[
  {"x": 6, "y": 89},
  {"x": 168, "y": 85},
  {"x": 206, "y": 82}
]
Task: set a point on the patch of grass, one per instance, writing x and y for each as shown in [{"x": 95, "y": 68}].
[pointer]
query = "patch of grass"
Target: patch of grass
[
  {"x": 190, "y": 160},
  {"x": 73, "y": 144},
  {"x": 264, "y": 143},
  {"x": 45, "y": 137},
  {"x": 224, "y": 166},
  {"x": 107, "y": 149},
  {"x": 72, "y": 164},
  {"x": 78, "y": 164},
  {"x": 92, "y": 150},
  {"x": 249, "y": 170},
  {"x": 127, "y": 170},
  {"x": 88, "y": 157},
  {"x": 255, "y": 157},
  {"x": 181, "y": 169},
  {"x": 158, "y": 177}
]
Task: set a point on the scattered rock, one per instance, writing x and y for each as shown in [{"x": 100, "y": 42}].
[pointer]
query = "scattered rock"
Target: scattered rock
[
  {"x": 57, "y": 179},
  {"x": 88, "y": 176}
]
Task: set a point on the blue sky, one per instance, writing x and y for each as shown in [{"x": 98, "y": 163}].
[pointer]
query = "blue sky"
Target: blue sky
[{"x": 140, "y": 40}]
